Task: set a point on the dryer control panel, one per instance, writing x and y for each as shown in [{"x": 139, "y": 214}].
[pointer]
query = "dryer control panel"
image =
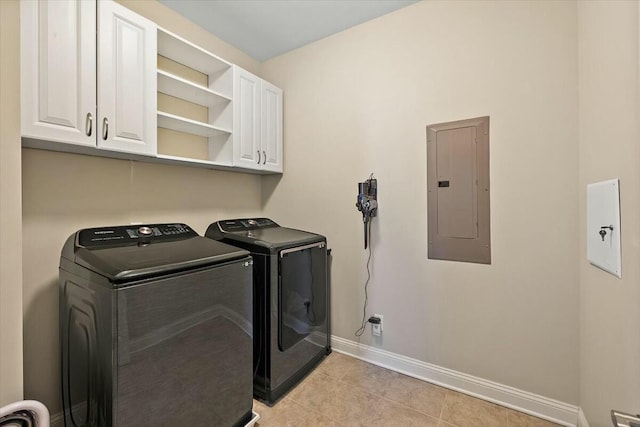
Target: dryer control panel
[
  {"x": 133, "y": 234},
  {"x": 232, "y": 225}
]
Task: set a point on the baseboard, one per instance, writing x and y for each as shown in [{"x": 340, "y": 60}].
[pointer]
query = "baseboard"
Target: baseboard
[
  {"x": 532, "y": 404},
  {"x": 582, "y": 420}
]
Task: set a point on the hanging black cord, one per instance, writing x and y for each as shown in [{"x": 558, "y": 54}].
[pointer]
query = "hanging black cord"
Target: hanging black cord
[{"x": 360, "y": 330}]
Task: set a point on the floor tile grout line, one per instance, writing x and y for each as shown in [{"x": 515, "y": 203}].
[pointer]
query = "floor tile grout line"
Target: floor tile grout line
[
  {"x": 442, "y": 407},
  {"x": 409, "y": 407},
  {"x": 312, "y": 409},
  {"x": 345, "y": 374},
  {"x": 393, "y": 401},
  {"x": 305, "y": 407},
  {"x": 340, "y": 380}
]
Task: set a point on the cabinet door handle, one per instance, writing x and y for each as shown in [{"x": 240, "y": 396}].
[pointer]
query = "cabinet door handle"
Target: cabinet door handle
[
  {"x": 105, "y": 128},
  {"x": 264, "y": 157},
  {"x": 88, "y": 125},
  {"x": 258, "y": 156}
]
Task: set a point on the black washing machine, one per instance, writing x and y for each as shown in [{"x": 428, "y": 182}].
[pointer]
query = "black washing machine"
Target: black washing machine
[
  {"x": 290, "y": 309},
  {"x": 155, "y": 328}
]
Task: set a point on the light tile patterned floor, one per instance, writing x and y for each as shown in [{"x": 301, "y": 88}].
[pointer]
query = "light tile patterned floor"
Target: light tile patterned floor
[{"x": 343, "y": 391}]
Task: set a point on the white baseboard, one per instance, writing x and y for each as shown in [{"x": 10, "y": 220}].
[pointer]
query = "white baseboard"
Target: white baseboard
[
  {"x": 582, "y": 420},
  {"x": 532, "y": 404}
]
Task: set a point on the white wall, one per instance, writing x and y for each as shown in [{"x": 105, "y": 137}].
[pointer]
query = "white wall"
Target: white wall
[
  {"x": 610, "y": 148},
  {"x": 65, "y": 192},
  {"x": 10, "y": 215},
  {"x": 359, "y": 101}
]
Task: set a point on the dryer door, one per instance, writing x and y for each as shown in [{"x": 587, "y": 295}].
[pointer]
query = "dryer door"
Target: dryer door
[{"x": 302, "y": 292}]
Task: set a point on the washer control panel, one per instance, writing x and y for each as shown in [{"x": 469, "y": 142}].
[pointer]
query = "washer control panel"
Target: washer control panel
[
  {"x": 128, "y": 234},
  {"x": 233, "y": 225}
]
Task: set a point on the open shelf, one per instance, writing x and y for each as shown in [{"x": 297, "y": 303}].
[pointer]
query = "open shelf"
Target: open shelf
[
  {"x": 183, "y": 51},
  {"x": 184, "y": 89},
  {"x": 181, "y": 124},
  {"x": 205, "y": 82}
]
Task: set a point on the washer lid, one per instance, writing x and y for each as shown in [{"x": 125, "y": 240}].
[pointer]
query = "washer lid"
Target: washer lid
[
  {"x": 274, "y": 238},
  {"x": 134, "y": 259},
  {"x": 260, "y": 234}
]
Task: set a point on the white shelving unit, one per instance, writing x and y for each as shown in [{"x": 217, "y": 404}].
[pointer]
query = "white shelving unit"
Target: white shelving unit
[{"x": 216, "y": 96}]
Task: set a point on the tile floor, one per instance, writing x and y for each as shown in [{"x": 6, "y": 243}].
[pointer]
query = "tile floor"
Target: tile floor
[{"x": 343, "y": 391}]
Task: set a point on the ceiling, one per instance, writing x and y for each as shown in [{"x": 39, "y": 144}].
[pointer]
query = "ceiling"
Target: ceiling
[{"x": 267, "y": 28}]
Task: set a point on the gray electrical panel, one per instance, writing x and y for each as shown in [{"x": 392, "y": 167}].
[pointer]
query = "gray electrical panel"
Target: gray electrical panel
[{"x": 458, "y": 191}]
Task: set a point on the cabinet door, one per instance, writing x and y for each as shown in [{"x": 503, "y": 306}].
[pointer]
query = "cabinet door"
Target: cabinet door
[
  {"x": 126, "y": 80},
  {"x": 246, "y": 119},
  {"x": 271, "y": 127},
  {"x": 58, "y": 82}
]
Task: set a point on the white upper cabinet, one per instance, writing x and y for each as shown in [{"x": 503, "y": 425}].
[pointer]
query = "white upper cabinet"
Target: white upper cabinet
[
  {"x": 65, "y": 98},
  {"x": 271, "y": 127},
  {"x": 59, "y": 71},
  {"x": 257, "y": 122},
  {"x": 127, "y": 96},
  {"x": 246, "y": 119}
]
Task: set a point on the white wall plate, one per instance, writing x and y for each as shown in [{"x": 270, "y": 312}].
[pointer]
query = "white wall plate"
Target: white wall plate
[{"x": 603, "y": 226}]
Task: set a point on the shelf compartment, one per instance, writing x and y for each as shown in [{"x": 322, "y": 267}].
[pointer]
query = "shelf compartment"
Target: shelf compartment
[
  {"x": 181, "y": 124},
  {"x": 178, "y": 87},
  {"x": 180, "y": 50}
]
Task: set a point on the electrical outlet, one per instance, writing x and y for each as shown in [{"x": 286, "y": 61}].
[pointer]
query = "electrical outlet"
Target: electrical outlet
[{"x": 376, "y": 329}]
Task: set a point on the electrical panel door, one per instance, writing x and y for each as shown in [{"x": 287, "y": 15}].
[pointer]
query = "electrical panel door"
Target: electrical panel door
[{"x": 458, "y": 191}]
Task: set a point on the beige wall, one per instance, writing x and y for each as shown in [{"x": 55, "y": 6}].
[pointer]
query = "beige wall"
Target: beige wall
[
  {"x": 610, "y": 148},
  {"x": 10, "y": 215},
  {"x": 65, "y": 192},
  {"x": 359, "y": 101}
]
